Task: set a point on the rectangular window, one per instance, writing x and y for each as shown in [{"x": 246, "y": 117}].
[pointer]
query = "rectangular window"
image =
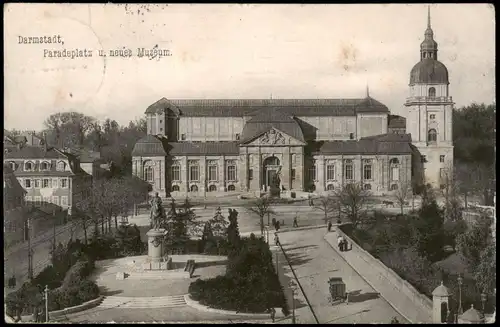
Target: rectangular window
[
  {"x": 45, "y": 183},
  {"x": 27, "y": 183},
  {"x": 231, "y": 172},
  {"x": 37, "y": 183},
  {"x": 330, "y": 172},
  {"x": 176, "y": 173},
  {"x": 194, "y": 171},
  {"x": 432, "y": 116},
  {"x": 441, "y": 158},
  {"x": 367, "y": 172},
  {"x": 395, "y": 173},
  {"x": 38, "y": 200},
  {"x": 250, "y": 174},
  {"x": 312, "y": 172},
  {"x": 212, "y": 173},
  {"x": 64, "y": 183},
  {"x": 64, "y": 201},
  {"x": 293, "y": 173},
  {"x": 348, "y": 172}
]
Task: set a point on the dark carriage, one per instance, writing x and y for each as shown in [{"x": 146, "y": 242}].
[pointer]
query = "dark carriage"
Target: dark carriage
[{"x": 337, "y": 290}]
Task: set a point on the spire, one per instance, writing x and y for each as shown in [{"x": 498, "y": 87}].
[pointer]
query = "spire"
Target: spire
[
  {"x": 367, "y": 91},
  {"x": 429, "y": 16}
]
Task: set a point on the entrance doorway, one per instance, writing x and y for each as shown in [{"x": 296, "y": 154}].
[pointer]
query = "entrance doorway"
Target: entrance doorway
[{"x": 271, "y": 176}]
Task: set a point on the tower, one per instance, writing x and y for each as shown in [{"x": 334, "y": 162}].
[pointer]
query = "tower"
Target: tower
[{"x": 429, "y": 110}]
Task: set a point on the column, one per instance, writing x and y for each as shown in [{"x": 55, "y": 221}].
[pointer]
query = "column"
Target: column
[
  {"x": 222, "y": 174},
  {"x": 184, "y": 175},
  {"x": 358, "y": 169},
  {"x": 321, "y": 173},
  {"x": 285, "y": 169},
  {"x": 299, "y": 171},
  {"x": 257, "y": 173},
  {"x": 385, "y": 176},
  {"x": 203, "y": 174},
  {"x": 243, "y": 171}
]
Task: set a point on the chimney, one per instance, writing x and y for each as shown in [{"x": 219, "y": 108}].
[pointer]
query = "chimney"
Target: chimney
[{"x": 44, "y": 141}]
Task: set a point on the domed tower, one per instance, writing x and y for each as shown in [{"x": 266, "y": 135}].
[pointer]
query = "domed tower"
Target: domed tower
[{"x": 429, "y": 113}]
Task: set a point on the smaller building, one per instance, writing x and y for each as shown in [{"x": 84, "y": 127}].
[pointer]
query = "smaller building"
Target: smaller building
[
  {"x": 49, "y": 176},
  {"x": 14, "y": 208}
]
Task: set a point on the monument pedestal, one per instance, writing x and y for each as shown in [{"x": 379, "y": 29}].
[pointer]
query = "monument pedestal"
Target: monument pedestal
[{"x": 156, "y": 259}]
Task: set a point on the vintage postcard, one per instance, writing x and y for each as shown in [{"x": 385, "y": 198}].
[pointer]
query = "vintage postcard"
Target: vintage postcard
[{"x": 249, "y": 163}]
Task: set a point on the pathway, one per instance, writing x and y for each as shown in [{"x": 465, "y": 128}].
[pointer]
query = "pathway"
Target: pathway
[
  {"x": 389, "y": 291},
  {"x": 314, "y": 262},
  {"x": 143, "y": 302}
]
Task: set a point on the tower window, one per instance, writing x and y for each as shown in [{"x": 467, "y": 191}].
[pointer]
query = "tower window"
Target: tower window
[
  {"x": 432, "y": 135},
  {"x": 441, "y": 158},
  {"x": 432, "y": 92},
  {"x": 432, "y": 116},
  {"x": 183, "y": 137}
]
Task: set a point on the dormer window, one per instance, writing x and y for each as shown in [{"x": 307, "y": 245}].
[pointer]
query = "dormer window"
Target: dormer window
[
  {"x": 61, "y": 166},
  {"x": 28, "y": 166},
  {"x": 44, "y": 166}
]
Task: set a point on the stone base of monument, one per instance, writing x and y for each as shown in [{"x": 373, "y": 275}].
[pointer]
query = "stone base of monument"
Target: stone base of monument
[
  {"x": 164, "y": 264},
  {"x": 157, "y": 259}
]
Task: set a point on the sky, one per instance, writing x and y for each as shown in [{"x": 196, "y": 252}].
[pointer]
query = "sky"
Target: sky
[{"x": 235, "y": 51}]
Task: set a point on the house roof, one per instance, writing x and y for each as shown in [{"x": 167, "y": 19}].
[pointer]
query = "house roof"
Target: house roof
[
  {"x": 380, "y": 144},
  {"x": 35, "y": 152},
  {"x": 149, "y": 145},
  {"x": 268, "y": 119},
  {"x": 203, "y": 148},
  {"x": 249, "y": 107}
]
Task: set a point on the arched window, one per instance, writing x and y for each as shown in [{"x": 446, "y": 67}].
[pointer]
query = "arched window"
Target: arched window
[
  {"x": 175, "y": 188},
  {"x": 28, "y": 166},
  {"x": 432, "y": 135},
  {"x": 231, "y": 188},
  {"x": 394, "y": 169},
  {"x": 367, "y": 187},
  {"x": 329, "y": 187},
  {"x": 394, "y": 161},
  {"x": 61, "y": 166},
  {"x": 432, "y": 92},
  {"x": 193, "y": 188},
  {"x": 44, "y": 166},
  {"x": 148, "y": 174},
  {"x": 394, "y": 187},
  {"x": 212, "y": 188}
]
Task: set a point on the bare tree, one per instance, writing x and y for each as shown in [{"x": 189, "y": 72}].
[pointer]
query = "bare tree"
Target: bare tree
[
  {"x": 327, "y": 204},
  {"x": 262, "y": 207},
  {"x": 353, "y": 201},
  {"x": 402, "y": 193}
]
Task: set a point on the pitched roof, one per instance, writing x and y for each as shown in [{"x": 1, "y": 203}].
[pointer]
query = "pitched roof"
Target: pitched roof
[
  {"x": 268, "y": 119},
  {"x": 372, "y": 145},
  {"x": 389, "y": 137},
  {"x": 249, "y": 107},
  {"x": 35, "y": 152},
  {"x": 396, "y": 121},
  {"x": 203, "y": 148},
  {"x": 149, "y": 145}
]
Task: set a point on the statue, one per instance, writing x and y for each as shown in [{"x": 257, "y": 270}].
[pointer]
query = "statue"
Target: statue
[{"x": 156, "y": 215}]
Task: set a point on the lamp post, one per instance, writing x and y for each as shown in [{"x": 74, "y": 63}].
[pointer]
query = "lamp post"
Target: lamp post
[
  {"x": 46, "y": 303},
  {"x": 30, "y": 251},
  {"x": 460, "y": 281},
  {"x": 293, "y": 288}
]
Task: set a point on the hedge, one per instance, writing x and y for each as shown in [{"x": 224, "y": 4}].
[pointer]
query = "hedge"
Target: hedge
[{"x": 250, "y": 284}]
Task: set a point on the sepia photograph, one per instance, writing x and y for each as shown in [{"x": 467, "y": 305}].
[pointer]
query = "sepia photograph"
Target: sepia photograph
[{"x": 249, "y": 163}]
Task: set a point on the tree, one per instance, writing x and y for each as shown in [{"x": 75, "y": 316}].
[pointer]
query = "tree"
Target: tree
[
  {"x": 181, "y": 224},
  {"x": 402, "y": 193},
  {"x": 218, "y": 224},
  {"x": 327, "y": 204},
  {"x": 68, "y": 129},
  {"x": 485, "y": 272},
  {"x": 233, "y": 233},
  {"x": 352, "y": 199},
  {"x": 429, "y": 231},
  {"x": 262, "y": 207},
  {"x": 471, "y": 243}
]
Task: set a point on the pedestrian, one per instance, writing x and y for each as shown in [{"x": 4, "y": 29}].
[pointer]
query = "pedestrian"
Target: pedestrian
[
  {"x": 329, "y": 225},
  {"x": 346, "y": 245},
  {"x": 339, "y": 242},
  {"x": 274, "y": 222},
  {"x": 276, "y": 239},
  {"x": 295, "y": 223},
  {"x": 35, "y": 315},
  {"x": 273, "y": 313},
  {"x": 277, "y": 225}
]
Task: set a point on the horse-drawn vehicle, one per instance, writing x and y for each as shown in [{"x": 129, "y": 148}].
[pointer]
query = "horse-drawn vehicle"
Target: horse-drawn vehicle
[{"x": 338, "y": 293}]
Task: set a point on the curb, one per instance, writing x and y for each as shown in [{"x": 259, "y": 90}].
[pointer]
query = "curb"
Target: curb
[
  {"x": 196, "y": 305},
  {"x": 284, "y": 230},
  {"x": 362, "y": 277}
]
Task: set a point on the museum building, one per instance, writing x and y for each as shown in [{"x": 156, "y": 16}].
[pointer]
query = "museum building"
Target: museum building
[{"x": 204, "y": 146}]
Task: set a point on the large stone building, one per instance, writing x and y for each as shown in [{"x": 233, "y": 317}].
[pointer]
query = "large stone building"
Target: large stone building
[{"x": 201, "y": 147}]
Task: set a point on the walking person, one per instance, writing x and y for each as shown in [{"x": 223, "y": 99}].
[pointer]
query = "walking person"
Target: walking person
[
  {"x": 277, "y": 225},
  {"x": 276, "y": 239},
  {"x": 339, "y": 242},
  {"x": 295, "y": 223},
  {"x": 273, "y": 313},
  {"x": 329, "y": 225}
]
